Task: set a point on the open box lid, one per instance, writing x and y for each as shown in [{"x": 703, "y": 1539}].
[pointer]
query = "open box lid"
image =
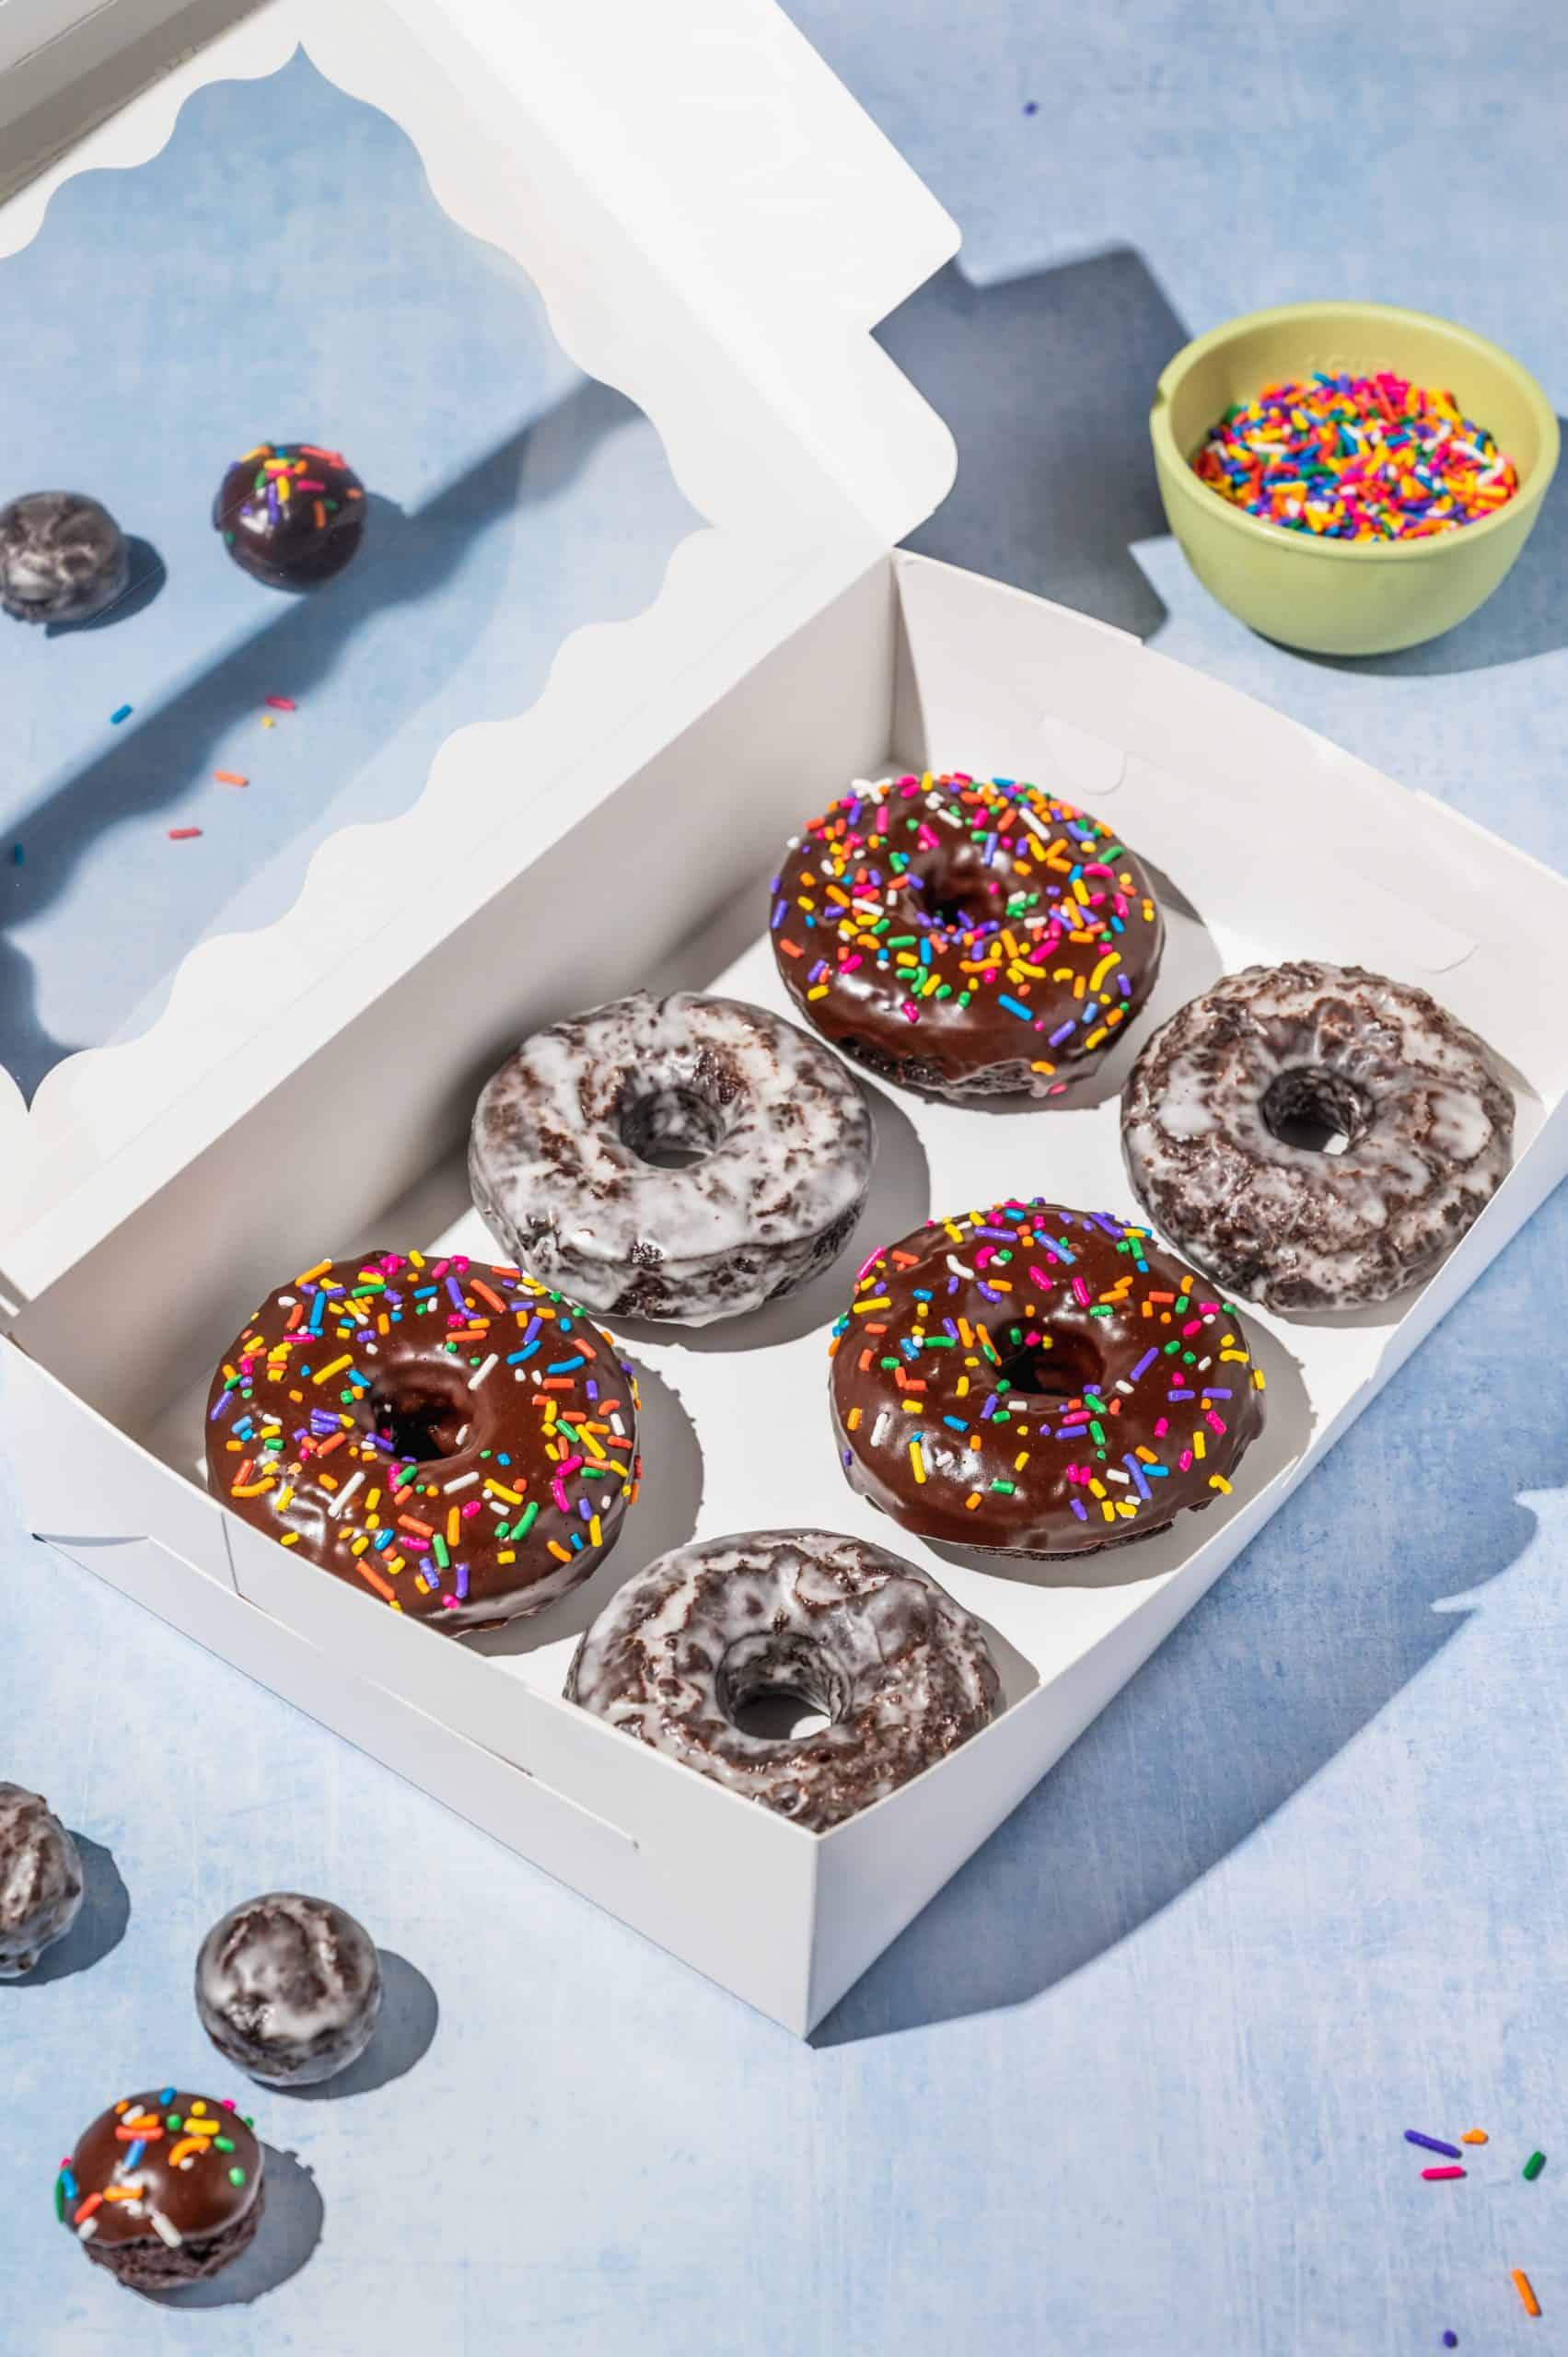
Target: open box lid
[{"x": 714, "y": 229}]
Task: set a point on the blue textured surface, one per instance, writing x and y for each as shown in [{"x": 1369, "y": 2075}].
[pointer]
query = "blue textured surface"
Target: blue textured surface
[{"x": 1136, "y": 2082}]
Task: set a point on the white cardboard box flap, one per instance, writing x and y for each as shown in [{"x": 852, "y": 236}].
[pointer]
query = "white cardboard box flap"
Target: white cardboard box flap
[{"x": 650, "y": 175}]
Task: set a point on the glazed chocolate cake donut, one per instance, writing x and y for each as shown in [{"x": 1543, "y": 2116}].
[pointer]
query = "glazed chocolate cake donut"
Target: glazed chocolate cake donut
[
  {"x": 291, "y": 514},
  {"x": 1036, "y": 1381},
  {"x": 164, "y": 2189},
  {"x": 289, "y": 1987},
  {"x": 902, "y": 1673},
  {"x": 40, "y": 1880},
  {"x": 1231, "y": 1105},
  {"x": 451, "y": 1436},
  {"x": 579, "y": 1141},
  {"x": 971, "y": 936},
  {"x": 63, "y": 557}
]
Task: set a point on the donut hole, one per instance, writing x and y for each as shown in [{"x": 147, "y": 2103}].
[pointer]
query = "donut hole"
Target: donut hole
[
  {"x": 422, "y": 1413},
  {"x": 1049, "y": 1367},
  {"x": 959, "y": 899},
  {"x": 778, "y": 1685},
  {"x": 671, "y": 1128},
  {"x": 1315, "y": 1110}
]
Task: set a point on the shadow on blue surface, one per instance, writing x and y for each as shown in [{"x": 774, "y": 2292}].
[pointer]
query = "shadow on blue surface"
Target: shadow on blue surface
[
  {"x": 1047, "y": 382},
  {"x": 289, "y": 2232},
  {"x": 147, "y": 767},
  {"x": 410, "y": 2014},
  {"x": 1526, "y": 615},
  {"x": 100, "y": 1926},
  {"x": 149, "y": 575},
  {"x": 1306, "y": 1640}
]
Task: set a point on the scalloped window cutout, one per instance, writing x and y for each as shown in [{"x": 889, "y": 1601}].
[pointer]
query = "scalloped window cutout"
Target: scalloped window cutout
[{"x": 280, "y": 270}]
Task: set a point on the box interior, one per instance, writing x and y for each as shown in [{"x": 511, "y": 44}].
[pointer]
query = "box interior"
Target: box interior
[{"x": 1268, "y": 849}]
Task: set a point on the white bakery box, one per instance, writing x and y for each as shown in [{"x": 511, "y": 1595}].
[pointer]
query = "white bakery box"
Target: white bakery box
[{"x": 715, "y": 229}]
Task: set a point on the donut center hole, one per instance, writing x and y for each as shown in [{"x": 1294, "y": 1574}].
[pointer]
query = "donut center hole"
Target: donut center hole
[
  {"x": 671, "y": 1128},
  {"x": 779, "y": 1687},
  {"x": 1317, "y": 1110},
  {"x": 421, "y": 1413},
  {"x": 1047, "y": 1367}
]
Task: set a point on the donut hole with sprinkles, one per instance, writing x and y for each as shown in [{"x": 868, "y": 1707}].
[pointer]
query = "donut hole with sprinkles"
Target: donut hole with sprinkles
[
  {"x": 779, "y": 1687},
  {"x": 1315, "y": 1110}
]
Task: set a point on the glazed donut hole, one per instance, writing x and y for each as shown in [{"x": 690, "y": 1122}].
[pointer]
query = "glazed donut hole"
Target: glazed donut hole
[
  {"x": 777, "y": 1686},
  {"x": 672, "y": 1127},
  {"x": 423, "y": 1415},
  {"x": 1315, "y": 1110}
]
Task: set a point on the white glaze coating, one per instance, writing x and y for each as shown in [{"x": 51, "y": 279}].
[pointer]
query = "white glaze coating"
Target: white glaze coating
[
  {"x": 40, "y": 1880},
  {"x": 782, "y": 1129},
  {"x": 1431, "y": 1127},
  {"x": 62, "y": 558},
  {"x": 289, "y": 1987},
  {"x": 903, "y": 1672}
]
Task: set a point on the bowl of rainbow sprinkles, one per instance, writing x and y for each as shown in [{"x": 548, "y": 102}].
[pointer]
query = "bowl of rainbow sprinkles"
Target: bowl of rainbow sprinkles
[{"x": 1351, "y": 478}]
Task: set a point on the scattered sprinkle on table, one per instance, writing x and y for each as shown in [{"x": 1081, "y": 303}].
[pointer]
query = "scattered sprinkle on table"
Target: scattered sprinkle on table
[
  {"x": 230, "y": 777},
  {"x": 183, "y": 834},
  {"x": 283, "y": 704},
  {"x": 1031, "y": 106},
  {"x": 1442, "y": 2172},
  {"x": 1474, "y": 2136},
  {"x": 1450, "y": 2340},
  {"x": 1433, "y": 2144},
  {"x": 116, "y": 717},
  {"x": 1533, "y": 2166},
  {"x": 17, "y": 854},
  {"x": 1359, "y": 459},
  {"x": 1526, "y": 2291}
]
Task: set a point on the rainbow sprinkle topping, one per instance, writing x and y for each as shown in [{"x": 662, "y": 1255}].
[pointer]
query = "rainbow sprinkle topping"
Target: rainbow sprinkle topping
[
  {"x": 1356, "y": 458},
  {"x": 1050, "y": 1356},
  {"x": 422, "y": 1521},
  {"x": 943, "y": 895}
]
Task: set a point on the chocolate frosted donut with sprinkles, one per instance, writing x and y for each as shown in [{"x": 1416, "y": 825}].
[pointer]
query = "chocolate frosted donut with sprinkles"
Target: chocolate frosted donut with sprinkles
[
  {"x": 164, "y": 2189},
  {"x": 1037, "y": 1381},
  {"x": 447, "y": 1436},
  {"x": 969, "y": 936},
  {"x": 291, "y": 514}
]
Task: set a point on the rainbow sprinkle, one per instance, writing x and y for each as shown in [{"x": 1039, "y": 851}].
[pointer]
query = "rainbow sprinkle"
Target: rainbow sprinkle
[{"x": 1359, "y": 459}]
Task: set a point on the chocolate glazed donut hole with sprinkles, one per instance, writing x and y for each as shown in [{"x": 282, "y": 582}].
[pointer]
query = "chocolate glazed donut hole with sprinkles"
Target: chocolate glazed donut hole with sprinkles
[
  {"x": 450, "y": 1437},
  {"x": 1031, "y": 1380},
  {"x": 966, "y": 936}
]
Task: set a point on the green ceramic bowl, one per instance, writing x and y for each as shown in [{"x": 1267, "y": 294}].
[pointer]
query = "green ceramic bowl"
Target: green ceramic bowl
[{"x": 1340, "y": 596}]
